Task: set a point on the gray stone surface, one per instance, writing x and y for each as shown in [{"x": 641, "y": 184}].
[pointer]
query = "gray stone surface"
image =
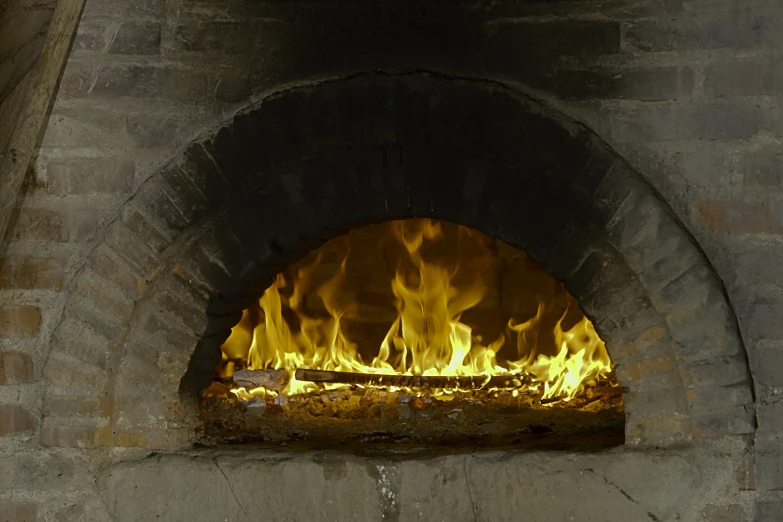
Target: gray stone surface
[{"x": 617, "y": 486}]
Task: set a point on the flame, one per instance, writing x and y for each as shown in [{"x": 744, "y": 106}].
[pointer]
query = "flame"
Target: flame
[{"x": 427, "y": 337}]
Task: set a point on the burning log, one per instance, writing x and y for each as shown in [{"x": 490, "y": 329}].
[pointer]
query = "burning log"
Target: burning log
[
  {"x": 274, "y": 380},
  {"x": 414, "y": 381}
]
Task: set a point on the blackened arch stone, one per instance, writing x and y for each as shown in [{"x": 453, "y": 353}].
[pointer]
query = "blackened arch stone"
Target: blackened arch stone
[{"x": 310, "y": 163}]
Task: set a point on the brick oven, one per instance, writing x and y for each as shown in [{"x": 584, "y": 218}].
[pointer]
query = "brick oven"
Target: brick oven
[{"x": 389, "y": 261}]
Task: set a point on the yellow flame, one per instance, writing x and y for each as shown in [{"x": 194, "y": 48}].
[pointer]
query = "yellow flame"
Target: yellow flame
[{"x": 426, "y": 338}]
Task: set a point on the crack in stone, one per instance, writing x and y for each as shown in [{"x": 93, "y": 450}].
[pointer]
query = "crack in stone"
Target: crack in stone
[
  {"x": 470, "y": 489},
  {"x": 624, "y": 493},
  {"x": 231, "y": 488}
]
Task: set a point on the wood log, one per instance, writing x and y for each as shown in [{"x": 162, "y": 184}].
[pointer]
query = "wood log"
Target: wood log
[
  {"x": 414, "y": 381},
  {"x": 274, "y": 380}
]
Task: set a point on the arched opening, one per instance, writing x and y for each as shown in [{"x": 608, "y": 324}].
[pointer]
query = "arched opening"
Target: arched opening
[{"x": 415, "y": 330}]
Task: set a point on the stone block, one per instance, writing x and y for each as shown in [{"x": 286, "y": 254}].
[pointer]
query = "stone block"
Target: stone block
[
  {"x": 726, "y": 120},
  {"x": 770, "y": 417},
  {"x": 659, "y": 372},
  {"x": 76, "y": 406},
  {"x": 769, "y": 461},
  {"x": 28, "y": 273},
  {"x": 558, "y": 37},
  {"x": 768, "y": 363},
  {"x": 684, "y": 33},
  {"x": 729, "y": 513},
  {"x": 98, "y": 294},
  {"x": 717, "y": 371},
  {"x": 729, "y": 420},
  {"x": 95, "y": 34},
  {"x": 752, "y": 76},
  {"x": 150, "y": 81},
  {"x": 230, "y": 38},
  {"x": 759, "y": 264},
  {"x": 80, "y": 126},
  {"x": 146, "y": 227},
  {"x": 136, "y": 38},
  {"x": 76, "y": 338},
  {"x": 663, "y": 83},
  {"x": 20, "y": 321},
  {"x": 227, "y": 489},
  {"x": 737, "y": 216},
  {"x": 763, "y": 315},
  {"x": 764, "y": 169},
  {"x": 769, "y": 511},
  {"x": 15, "y": 420},
  {"x": 657, "y": 432},
  {"x": 66, "y": 372},
  {"x": 18, "y": 511},
  {"x": 88, "y": 176},
  {"x": 16, "y": 368}
]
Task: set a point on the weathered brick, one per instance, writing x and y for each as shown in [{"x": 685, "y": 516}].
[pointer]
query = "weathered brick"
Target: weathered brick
[
  {"x": 717, "y": 371},
  {"x": 737, "y": 216},
  {"x": 88, "y": 176},
  {"x": 137, "y": 38},
  {"x": 15, "y": 420},
  {"x": 23, "y": 321},
  {"x": 67, "y": 225},
  {"x": 663, "y": 83},
  {"x": 65, "y": 371},
  {"x": 104, "y": 298},
  {"x": 81, "y": 341},
  {"x": 659, "y": 372},
  {"x": 730, "y": 513},
  {"x": 32, "y": 273},
  {"x": 682, "y": 33},
  {"x": 16, "y": 368},
  {"x": 131, "y": 250},
  {"x": 77, "y": 79},
  {"x": 146, "y": 227},
  {"x": 708, "y": 121},
  {"x": 80, "y": 406},
  {"x": 67, "y": 436},
  {"x": 149, "y": 81},
  {"x": 744, "y": 77},
  {"x": 17, "y": 511},
  {"x": 764, "y": 169},
  {"x": 106, "y": 264}
]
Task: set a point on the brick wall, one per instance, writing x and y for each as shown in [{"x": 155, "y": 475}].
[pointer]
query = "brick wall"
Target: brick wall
[{"x": 688, "y": 91}]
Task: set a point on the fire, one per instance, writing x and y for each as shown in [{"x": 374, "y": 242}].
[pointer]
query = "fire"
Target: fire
[{"x": 428, "y": 335}]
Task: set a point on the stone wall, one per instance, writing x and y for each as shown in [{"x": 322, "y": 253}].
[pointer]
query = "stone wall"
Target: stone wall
[{"x": 686, "y": 90}]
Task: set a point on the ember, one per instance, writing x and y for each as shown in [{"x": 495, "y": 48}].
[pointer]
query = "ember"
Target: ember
[{"x": 305, "y": 334}]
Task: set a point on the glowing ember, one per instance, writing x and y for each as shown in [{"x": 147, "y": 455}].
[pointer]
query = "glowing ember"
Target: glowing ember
[{"x": 555, "y": 353}]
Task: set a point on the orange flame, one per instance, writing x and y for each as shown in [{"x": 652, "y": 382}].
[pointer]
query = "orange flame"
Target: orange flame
[{"x": 427, "y": 337}]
